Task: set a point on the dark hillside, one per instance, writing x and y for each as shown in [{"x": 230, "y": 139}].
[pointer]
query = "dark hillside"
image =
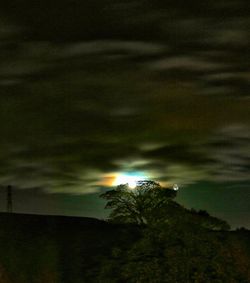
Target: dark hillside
[
  {"x": 55, "y": 249},
  {"x": 36, "y": 248}
]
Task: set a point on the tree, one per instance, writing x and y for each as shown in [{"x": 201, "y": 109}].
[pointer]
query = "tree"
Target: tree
[
  {"x": 139, "y": 205},
  {"x": 179, "y": 254}
]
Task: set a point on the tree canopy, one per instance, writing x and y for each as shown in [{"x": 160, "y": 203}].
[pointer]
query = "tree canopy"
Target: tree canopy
[
  {"x": 176, "y": 244},
  {"x": 150, "y": 203},
  {"x": 137, "y": 205}
]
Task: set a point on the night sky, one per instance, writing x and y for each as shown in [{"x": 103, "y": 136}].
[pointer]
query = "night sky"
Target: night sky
[{"x": 91, "y": 90}]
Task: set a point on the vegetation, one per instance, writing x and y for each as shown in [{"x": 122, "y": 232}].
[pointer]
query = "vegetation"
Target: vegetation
[
  {"x": 139, "y": 205},
  {"x": 150, "y": 204},
  {"x": 149, "y": 238},
  {"x": 177, "y": 244}
]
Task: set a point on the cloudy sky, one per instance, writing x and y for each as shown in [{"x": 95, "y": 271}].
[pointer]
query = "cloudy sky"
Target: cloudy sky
[{"x": 90, "y": 90}]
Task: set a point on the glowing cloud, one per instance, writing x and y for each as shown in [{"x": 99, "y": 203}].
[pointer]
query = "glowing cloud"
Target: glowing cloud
[{"x": 128, "y": 178}]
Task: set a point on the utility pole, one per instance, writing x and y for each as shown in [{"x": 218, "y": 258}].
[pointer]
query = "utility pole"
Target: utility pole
[{"x": 9, "y": 199}]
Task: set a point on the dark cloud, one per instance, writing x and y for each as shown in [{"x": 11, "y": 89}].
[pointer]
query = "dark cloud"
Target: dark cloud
[
  {"x": 96, "y": 87},
  {"x": 179, "y": 153}
]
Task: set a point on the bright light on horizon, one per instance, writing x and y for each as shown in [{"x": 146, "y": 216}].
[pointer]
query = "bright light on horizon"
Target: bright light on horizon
[{"x": 128, "y": 178}]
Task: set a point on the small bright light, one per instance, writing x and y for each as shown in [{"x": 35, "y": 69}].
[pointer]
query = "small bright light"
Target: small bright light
[
  {"x": 175, "y": 187},
  {"x": 130, "y": 179}
]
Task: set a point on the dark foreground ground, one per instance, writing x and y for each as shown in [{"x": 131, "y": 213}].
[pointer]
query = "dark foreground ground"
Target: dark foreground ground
[
  {"x": 46, "y": 249},
  {"x": 35, "y": 248}
]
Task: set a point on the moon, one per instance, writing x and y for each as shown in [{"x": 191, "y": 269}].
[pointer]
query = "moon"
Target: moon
[{"x": 130, "y": 179}]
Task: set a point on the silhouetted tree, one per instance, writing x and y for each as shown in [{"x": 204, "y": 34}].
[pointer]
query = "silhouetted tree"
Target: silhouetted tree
[{"x": 139, "y": 205}]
